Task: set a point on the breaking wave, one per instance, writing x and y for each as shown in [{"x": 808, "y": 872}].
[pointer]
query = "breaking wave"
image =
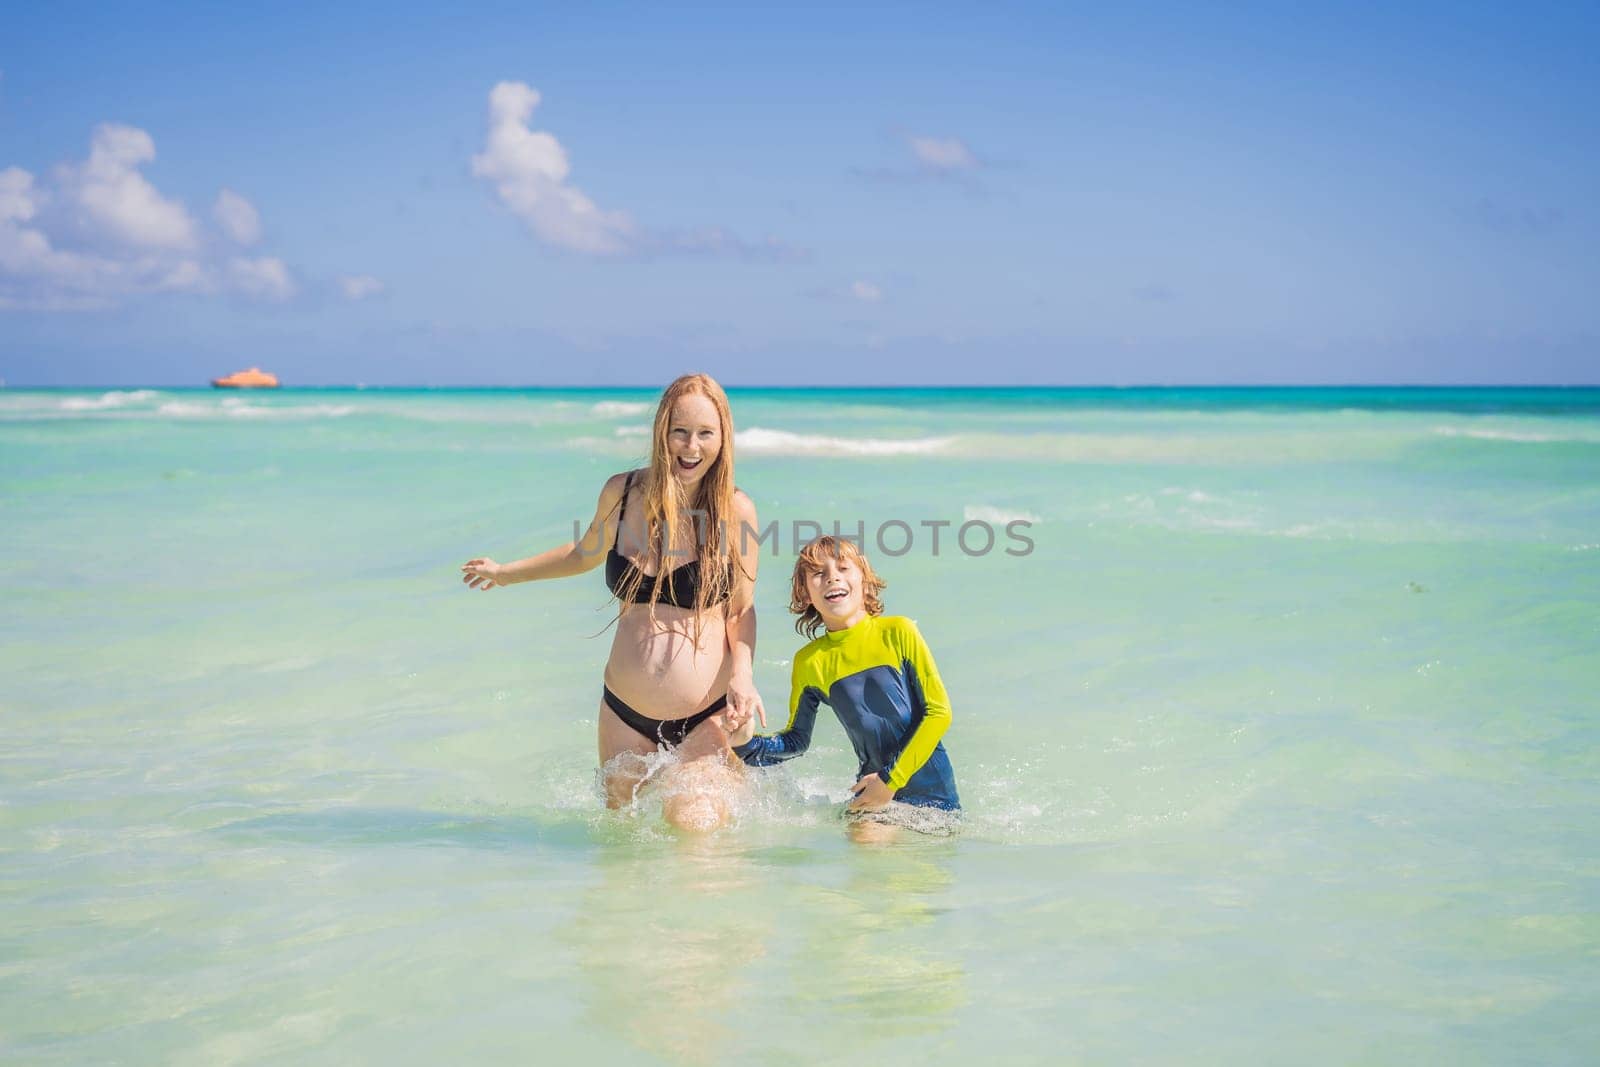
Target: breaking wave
[
  {"x": 108, "y": 401},
  {"x": 764, "y": 442},
  {"x": 237, "y": 408},
  {"x": 997, "y": 516},
  {"x": 611, "y": 409},
  {"x": 1519, "y": 436}
]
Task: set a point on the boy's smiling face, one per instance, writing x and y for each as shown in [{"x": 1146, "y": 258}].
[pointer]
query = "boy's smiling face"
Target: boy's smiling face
[{"x": 836, "y": 592}]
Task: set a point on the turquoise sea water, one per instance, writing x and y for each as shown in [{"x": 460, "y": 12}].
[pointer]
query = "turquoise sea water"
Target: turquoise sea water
[{"x": 1279, "y": 746}]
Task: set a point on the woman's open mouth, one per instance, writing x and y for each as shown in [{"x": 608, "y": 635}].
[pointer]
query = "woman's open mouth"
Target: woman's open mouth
[{"x": 687, "y": 465}]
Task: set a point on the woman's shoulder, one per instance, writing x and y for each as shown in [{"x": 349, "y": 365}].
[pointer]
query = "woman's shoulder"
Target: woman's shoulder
[
  {"x": 745, "y": 522},
  {"x": 611, "y": 493},
  {"x": 620, "y": 480}
]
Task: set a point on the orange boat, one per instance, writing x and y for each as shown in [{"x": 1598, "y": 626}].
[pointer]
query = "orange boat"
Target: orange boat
[{"x": 254, "y": 378}]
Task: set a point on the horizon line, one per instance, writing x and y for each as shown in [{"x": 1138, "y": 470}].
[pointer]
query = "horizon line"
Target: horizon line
[{"x": 1019, "y": 387}]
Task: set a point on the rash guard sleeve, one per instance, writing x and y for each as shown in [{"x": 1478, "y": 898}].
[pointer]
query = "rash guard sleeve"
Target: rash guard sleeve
[
  {"x": 793, "y": 739},
  {"x": 928, "y": 694}
]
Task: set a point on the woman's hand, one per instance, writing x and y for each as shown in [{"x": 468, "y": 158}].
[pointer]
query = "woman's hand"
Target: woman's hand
[
  {"x": 744, "y": 705},
  {"x": 743, "y": 734},
  {"x": 481, "y": 574},
  {"x": 871, "y": 793}
]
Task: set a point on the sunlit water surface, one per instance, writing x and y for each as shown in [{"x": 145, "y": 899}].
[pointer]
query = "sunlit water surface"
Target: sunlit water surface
[{"x": 1279, "y": 745}]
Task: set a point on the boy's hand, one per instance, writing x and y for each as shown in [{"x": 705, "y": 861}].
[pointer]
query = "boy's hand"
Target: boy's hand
[{"x": 871, "y": 793}]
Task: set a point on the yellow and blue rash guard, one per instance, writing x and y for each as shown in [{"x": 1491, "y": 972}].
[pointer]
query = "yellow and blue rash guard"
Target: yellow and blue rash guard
[{"x": 878, "y": 677}]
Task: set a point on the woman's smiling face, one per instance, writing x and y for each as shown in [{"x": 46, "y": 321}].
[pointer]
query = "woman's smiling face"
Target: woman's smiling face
[{"x": 694, "y": 437}]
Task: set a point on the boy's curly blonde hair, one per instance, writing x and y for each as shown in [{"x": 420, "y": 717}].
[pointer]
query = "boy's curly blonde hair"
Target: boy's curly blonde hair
[{"x": 811, "y": 560}]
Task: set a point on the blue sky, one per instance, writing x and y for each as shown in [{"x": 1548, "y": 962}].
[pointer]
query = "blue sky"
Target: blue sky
[{"x": 1010, "y": 193}]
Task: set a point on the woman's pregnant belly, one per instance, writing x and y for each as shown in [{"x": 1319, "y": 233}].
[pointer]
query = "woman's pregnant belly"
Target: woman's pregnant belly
[{"x": 659, "y": 668}]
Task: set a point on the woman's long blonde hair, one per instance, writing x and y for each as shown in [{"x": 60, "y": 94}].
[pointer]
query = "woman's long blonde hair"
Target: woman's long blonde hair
[{"x": 667, "y": 506}]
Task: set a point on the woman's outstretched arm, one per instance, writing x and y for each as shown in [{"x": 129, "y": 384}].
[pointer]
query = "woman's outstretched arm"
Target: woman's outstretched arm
[{"x": 563, "y": 561}]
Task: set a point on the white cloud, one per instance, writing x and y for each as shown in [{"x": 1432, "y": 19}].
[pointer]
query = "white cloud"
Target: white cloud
[
  {"x": 16, "y": 195},
  {"x": 110, "y": 189},
  {"x": 942, "y": 153},
  {"x": 359, "y": 286},
  {"x": 716, "y": 241},
  {"x": 529, "y": 170},
  {"x": 936, "y": 159},
  {"x": 266, "y": 277},
  {"x": 26, "y": 252},
  {"x": 238, "y": 217},
  {"x": 100, "y": 232},
  {"x": 860, "y": 291},
  {"x": 184, "y": 276}
]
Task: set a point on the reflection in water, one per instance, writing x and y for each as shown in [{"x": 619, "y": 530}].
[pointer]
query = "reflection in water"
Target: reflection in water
[
  {"x": 662, "y": 942},
  {"x": 876, "y": 959},
  {"x": 883, "y": 826}
]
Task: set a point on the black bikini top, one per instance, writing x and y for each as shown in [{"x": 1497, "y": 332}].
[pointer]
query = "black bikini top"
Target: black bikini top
[{"x": 679, "y": 588}]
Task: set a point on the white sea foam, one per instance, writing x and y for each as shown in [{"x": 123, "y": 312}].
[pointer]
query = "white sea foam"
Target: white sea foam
[
  {"x": 1143, "y": 512},
  {"x": 1250, "y": 448},
  {"x": 1224, "y": 523},
  {"x": 1310, "y": 530},
  {"x": 236, "y": 408},
  {"x": 761, "y": 441},
  {"x": 611, "y": 409},
  {"x": 308, "y": 411},
  {"x": 107, "y": 401},
  {"x": 631, "y": 431},
  {"x": 1496, "y": 435},
  {"x": 1490, "y": 435},
  {"x": 184, "y": 409},
  {"x": 997, "y": 516},
  {"x": 614, "y": 445}
]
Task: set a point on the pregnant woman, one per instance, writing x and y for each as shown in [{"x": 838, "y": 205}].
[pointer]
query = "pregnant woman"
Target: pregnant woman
[{"x": 680, "y": 675}]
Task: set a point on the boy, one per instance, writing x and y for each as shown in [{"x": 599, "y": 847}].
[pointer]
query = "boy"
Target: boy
[{"x": 877, "y": 674}]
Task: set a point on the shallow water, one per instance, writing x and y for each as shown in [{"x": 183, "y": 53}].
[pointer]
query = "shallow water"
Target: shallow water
[{"x": 1280, "y": 743}]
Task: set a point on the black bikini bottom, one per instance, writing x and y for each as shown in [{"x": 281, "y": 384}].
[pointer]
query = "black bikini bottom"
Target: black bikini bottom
[{"x": 662, "y": 731}]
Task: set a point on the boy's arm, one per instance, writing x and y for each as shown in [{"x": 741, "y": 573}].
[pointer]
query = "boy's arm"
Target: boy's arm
[
  {"x": 924, "y": 681},
  {"x": 794, "y": 738}
]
